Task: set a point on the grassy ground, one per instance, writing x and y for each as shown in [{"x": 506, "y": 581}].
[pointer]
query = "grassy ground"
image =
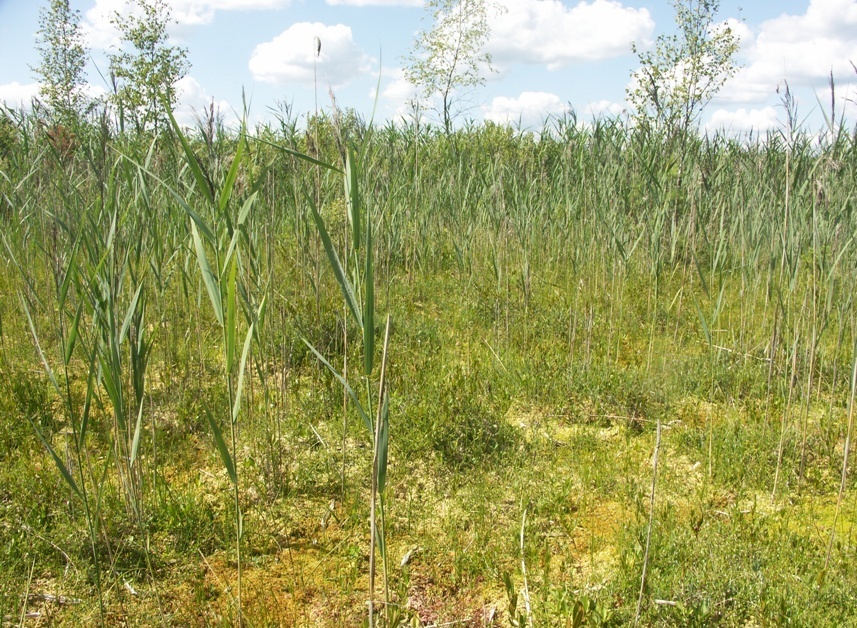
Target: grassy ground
[{"x": 556, "y": 305}]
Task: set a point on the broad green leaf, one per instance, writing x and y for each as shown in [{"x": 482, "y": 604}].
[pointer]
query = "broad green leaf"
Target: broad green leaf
[
  {"x": 366, "y": 420},
  {"x": 47, "y": 366},
  {"x": 207, "y": 232},
  {"x": 151, "y": 152},
  {"x": 301, "y": 155},
  {"x": 113, "y": 384},
  {"x": 383, "y": 444},
  {"x": 71, "y": 273},
  {"x": 201, "y": 180},
  {"x": 341, "y": 278},
  {"x": 111, "y": 234},
  {"x": 231, "y": 176},
  {"x": 222, "y": 448},
  {"x": 126, "y": 324},
  {"x": 705, "y": 329},
  {"x": 72, "y": 337},
  {"x": 245, "y": 209},
  {"x": 60, "y": 464},
  {"x": 262, "y": 310},
  {"x": 208, "y": 277},
  {"x": 236, "y": 408},
  {"x": 352, "y": 197},
  {"x": 203, "y": 227},
  {"x": 141, "y": 181},
  {"x": 233, "y": 246},
  {"x": 135, "y": 444},
  {"x": 231, "y": 323}
]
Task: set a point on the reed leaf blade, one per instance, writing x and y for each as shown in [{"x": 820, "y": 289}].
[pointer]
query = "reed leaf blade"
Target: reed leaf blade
[
  {"x": 208, "y": 277},
  {"x": 338, "y": 271},
  {"x": 236, "y": 409},
  {"x": 221, "y": 447},
  {"x": 366, "y": 420}
]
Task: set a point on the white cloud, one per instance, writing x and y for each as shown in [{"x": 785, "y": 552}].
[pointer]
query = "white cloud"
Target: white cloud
[
  {"x": 605, "y": 108},
  {"x": 291, "y": 56},
  {"x": 95, "y": 92},
  {"x": 190, "y": 12},
  {"x": 194, "y": 99},
  {"x": 17, "y": 96},
  {"x": 802, "y": 49},
  {"x": 529, "y": 110},
  {"x": 101, "y": 34},
  {"x": 547, "y": 32},
  {"x": 376, "y": 3},
  {"x": 397, "y": 93},
  {"x": 97, "y": 27},
  {"x": 744, "y": 120}
]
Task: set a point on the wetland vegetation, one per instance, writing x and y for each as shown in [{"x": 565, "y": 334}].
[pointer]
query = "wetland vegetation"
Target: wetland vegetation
[{"x": 609, "y": 354}]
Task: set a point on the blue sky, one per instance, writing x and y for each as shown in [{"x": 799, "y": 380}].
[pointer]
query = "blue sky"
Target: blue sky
[{"x": 551, "y": 55}]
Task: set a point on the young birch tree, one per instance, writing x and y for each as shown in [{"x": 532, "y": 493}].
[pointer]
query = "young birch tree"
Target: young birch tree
[
  {"x": 451, "y": 57},
  {"x": 63, "y": 54},
  {"x": 145, "y": 78},
  {"x": 677, "y": 79}
]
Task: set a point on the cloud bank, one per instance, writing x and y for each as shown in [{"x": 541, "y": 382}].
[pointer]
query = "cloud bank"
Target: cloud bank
[
  {"x": 547, "y": 32},
  {"x": 529, "y": 110},
  {"x": 101, "y": 34},
  {"x": 802, "y": 49}
]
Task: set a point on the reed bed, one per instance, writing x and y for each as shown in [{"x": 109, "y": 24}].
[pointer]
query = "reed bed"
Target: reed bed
[{"x": 191, "y": 340}]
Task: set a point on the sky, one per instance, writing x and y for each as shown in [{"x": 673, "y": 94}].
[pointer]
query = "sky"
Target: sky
[{"x": 550, "y": 57}]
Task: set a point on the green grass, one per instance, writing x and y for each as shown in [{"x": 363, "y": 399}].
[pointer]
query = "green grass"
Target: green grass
[{"x": 552, "y": 299}]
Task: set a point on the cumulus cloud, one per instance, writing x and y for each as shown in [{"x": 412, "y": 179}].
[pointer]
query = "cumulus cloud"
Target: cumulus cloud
[
  {"x": 547, "y": 32},
  {"x": 530, "y": 109},
  {"x": 101, "y": 34},
  {"x": 291, "y": 56},
  {"x": 397, "y": 93},
  {"x": 194, "y": 100},
  {"x": 606, "y": 108},
  {"x": 97, "y": 26},
  {"x": 17, "y": 96},
  {"x": 95, "y": 92},
  {"x": 376, "y": 3},
  {"x": 743, "y": 120},
  {"x": 190, "y": 12},
  {"x": 802, "y": 49}
]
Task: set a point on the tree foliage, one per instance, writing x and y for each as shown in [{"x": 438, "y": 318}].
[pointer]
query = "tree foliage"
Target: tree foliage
[
  {"x": 451, "y": 56},
  {"x": 63, "y": 58},
  {"x": 145, "y": 78},
  {"x": 8, "y": 134},
  {"x": 685, "y": 70}
]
